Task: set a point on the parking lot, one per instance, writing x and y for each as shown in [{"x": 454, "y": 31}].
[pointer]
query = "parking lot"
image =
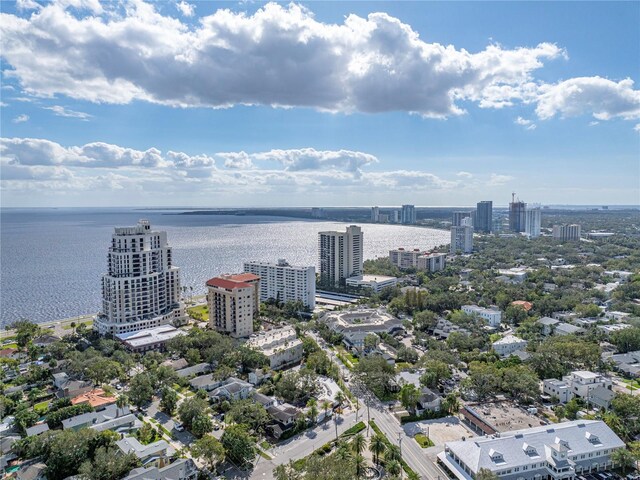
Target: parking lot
[
  {"x": 440, "y": 430},
  {"x": 605, "y": 476}
]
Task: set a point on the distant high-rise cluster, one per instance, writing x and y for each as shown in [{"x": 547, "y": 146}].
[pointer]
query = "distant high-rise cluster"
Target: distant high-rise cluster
[
  {"x": 141, "y": 289},
  {"x": 408, "y": 214},
  {"x": 340, "y": 255}
]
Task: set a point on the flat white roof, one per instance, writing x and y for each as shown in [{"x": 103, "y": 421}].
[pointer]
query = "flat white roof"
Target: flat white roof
[
  {"x": 371, "y": 278},
  {"x": 162, "y": 333}
]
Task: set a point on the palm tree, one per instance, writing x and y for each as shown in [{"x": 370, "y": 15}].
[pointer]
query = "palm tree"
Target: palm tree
[
  {"x": 326, "y": 404},
  {"x": 394, "y": 468},
  {"x": 121, "y": 402},
  {"x": 340, "y": 398},
  {"x": 312, "y": 414},
  {"x": 342, "y": 451},
  {"x": 358, "y": 443},
  {"x": 360, "y": 465},
  {"x": 377, "y": 447},
  {"x": 451, "y": 404},
  {"x": 73, "y": 325},
  {"x": 393, "y": 454}
]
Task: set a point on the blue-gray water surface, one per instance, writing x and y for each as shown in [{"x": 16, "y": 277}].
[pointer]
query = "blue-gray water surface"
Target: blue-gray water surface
[{"x": 51, "y": 260}]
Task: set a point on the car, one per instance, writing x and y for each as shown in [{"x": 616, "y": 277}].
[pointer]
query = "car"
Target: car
[
  {"x": 216, "y": 427},
  {"x": 179, "y": 427},
  {"x": 118, "y": 386}
]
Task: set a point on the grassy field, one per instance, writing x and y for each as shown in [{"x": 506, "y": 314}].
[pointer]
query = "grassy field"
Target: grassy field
[
  {"x": 201, "y": 312},
  {"x": 423, "y": 440}
]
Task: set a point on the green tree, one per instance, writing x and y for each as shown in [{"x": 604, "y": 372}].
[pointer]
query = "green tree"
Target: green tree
[
  {"x": 25, "y": 331},
  {"x": 409, "y": 396},
  {"x": 141, "y": 389},
  {"x": 377, "y": 446},
  {"x": 376, "y": 374},
  {"x": 486, "y": 474},
  {"x": 169, "y": 400},
  {"x": 192, "y": 413},
  {"x": 393, "y": 467},
  {"x": 239, "y": 446},
  {"x": 108, "y": 463},
  {"x": 435, "y": 372},
  {"x": 250, "y": 413},
  {"x": 623, "y": 459},
  {"x": 210, "y": 450},
  {"x": 201, "y": 424}
]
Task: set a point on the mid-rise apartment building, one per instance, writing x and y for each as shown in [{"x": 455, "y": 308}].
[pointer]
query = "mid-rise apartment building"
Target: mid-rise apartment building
[
  {"x": 233, "y": 300},
  {"x": 403, "y": 259},
  {"x": 141, "y": 288},
  {"x": 281, "y": 346},
  {"x": 592, "y": 387},
  {"x": 432, "y": 262},
  {"x": 493, "y": 316},
  {"x": 285, "y": 283},
  {"x": 458, "y": 217},
  {"x": 461, "y": 239},
  {"x": 341, "y": 255},
  {"x": 567, "y": 233},
  {"x": 508, "y": 344}
]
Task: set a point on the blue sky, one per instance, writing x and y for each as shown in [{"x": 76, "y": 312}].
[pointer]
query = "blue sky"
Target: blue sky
[{"x": 319, "y": 103}]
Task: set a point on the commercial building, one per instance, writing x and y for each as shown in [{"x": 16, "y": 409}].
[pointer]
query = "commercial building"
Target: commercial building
[
  {"x": 374, "y": 282},
  {"x": 532, "y": 221},
  {"x": 408, "y": 215},
  {"x": 285, "y": 283},
  {"x": 559, "y": 452},
  {"x": 461, "y": 239},
  {"x": 594, "y": 388},
  {"x": 458, "y": 217},
  {"x": 141, "y": 288},
  {"x": 281, "y": 346},
  {"x": 149, "y": 339},
  {"x": 484, "y": 216},
  {"x": 508, "y": 344},
  {"x": 493, "y": 316},
  {"x": 232, "y": 302},
  {"x": 432, "y": 262},
  {"x": 517, "y": 218},
  {"x": 340, "y": 255},
  {"x": 355, "y": 325},
  {"x": 567, "y": 233}
]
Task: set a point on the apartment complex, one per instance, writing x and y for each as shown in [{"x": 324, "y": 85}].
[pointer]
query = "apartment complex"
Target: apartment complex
[
  {"x": 484, "y": 216},
  {"x": 594, "y": 388},
  {"x": 416, "y": 258},
  {"x": 141, "y": 288},
  {"x": 340, "y": 255},
  {"x": 233, "y": 301},
  {"x": 408, "y": 214},
  {"x": 462, "y": 238},
  {"x": 355, "y": 325},
  {"x": 558, "y": 452},
  {"x": 508, "y": 344},
  {"x": 283, "y": 282},
  {"x": 532, "y": 221},
  {"x": 281, "y": 346},
  {"x": 493, "y": 316},
  {"x": 374, "y": 282},
  {"x": 567, "y": 233},
  {"x": 432, "y": 262}
]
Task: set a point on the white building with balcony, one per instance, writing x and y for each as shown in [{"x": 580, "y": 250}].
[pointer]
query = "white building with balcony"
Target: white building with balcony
[
  {"x": 509, "y": 344},
  {"x": 141, "y": 289},
  {"x": 285, "y": 283},
  {"x": 593, "y": 388},
  {"x": 281, "y": 346},
  {"x": 493, "y": 316}
]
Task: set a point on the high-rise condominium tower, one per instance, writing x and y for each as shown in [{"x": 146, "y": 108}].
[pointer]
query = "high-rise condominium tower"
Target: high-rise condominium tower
[
  {"x": 340, "y": 255},
  {"x": 375, "y": 214},
  {"x": 408, "y": 214},
  {"x": 462, "y": 237},
  {"x": 484, "y": 216},
  {"x": 233, "y": 300},
  {"x": 517, "y": 219},
  {"x": 284, "y": 282},
  {"x": 532, "y": 221},
  {"x": 141, "y": 288},
  {"x": 458, "y": 217},
  {"x": 567, "y": 232}
]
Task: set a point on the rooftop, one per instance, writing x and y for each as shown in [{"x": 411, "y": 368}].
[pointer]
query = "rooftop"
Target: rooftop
[
  {"x": 95, "y": 398},
  {"x": 219, "y": 282},
  {"x": 149, "y": 336}
]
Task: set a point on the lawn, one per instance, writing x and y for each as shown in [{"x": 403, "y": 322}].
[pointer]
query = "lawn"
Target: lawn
[
  {"x": 201, "y": 312},
  {"x": 68, "y": 326},
  {"x": 10, "y": 345},
  {"x": 631, "y": 384},
  {"x": 265, "y": 445},
  {"x": 423, "y": 440},
  {"x": 41, "y": 407}
]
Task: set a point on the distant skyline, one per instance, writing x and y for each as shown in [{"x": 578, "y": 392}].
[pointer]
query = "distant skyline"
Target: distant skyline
[{"x": 221, "y": 104}]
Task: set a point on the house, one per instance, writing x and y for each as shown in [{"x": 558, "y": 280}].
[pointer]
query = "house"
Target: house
[
  {"x": 232, "y": 389},
  {"x": 178, "y": 364},
  {"x": 68, "y": 387},
  {"x": 45, "y": 340},
  {"x": 284, "y": 416},
  {"x": 617, "y": 316},
  {"x": 523, "y": 304},
  {"x": 559, "y": 451},
  {"x": 94, "y": 418},
  {"x": 609, "y": 329},
  {"x": 259, "y": 375},
  {"x": 568, "y": 329},
  {"x": 182, "y": 469},
  {"x": 443, "y": 328},
  {"x": 263, "y": 400},
  {"x": 508, "y": 345},
  {"x": 7, "y": 454},
  {"x": 627, "y": 363},
  {"x": 155, "y": 454},
  {"x": 204, "y": 382},
  {"x": 548, "y": 325},
  {"x": 37, "y": 429},
  {"x": 32, "y": 471},
  {"x": 428, "y": 401},
  {"x": 96, "y": 398},
  {"x": 197, "y": 369},
  {"x": 124, "y": 424}
]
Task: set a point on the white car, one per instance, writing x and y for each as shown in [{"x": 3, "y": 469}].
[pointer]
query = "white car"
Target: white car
[{"x": 179, "y": 427}]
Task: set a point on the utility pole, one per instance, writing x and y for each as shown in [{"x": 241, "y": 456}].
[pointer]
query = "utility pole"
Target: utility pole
[{"x": 400, "y": 446}]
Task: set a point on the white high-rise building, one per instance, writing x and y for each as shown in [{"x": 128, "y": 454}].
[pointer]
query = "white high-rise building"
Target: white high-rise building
[
  {"x": 375, "y": 214},
  {"x": 532, "y": 219},
  {"x": 340, "y": 255},
  {"x": 141, "y": 288},
  {"x": 462, "y": 238},
  {"x": 566, "y": 232},
  {"x": 408, "y": 214},
  {"x": 284, "y": 282}
]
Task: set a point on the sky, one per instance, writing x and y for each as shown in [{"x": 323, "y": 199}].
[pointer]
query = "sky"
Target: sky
[{"x": 223, "y": 104}]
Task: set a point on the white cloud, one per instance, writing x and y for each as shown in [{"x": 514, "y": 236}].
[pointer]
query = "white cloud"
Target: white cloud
[
  {"x": 21, "y": 118},
  {"x": 63, "y": 112},
  {"x": 312, "y": 159},
  {"x": 3, "y": 104},
  {"x": 279, "y": 56},
  {"x": 594, "y": 123},
  {"x": 525, "y": 123},
  {"x": 464, "y": 174},
  {"x": 496, "y": 180},
  {"x": 637, "y": 127},
  {"x": 236, "y": 160},
  {"x": 27, "y": 5},
  {"x": 603, "y": 98},
  {"x": 186, "y": 9}
]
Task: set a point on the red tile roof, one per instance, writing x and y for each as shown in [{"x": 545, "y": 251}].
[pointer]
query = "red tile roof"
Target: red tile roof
[
  {"x": 523, "y": 303},
  {"x": 242, "y": 277},
  {"x": 224, "y": 283},
  {"x": 95, "y": 398}
]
